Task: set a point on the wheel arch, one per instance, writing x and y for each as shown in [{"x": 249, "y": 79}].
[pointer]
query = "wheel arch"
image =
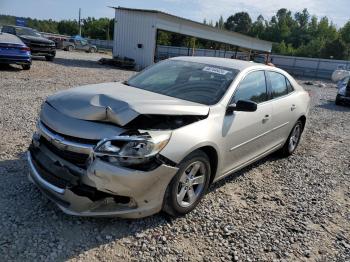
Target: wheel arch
[
  {"x": 213, "y": 156},
  {"x": 303, "y": 120}
]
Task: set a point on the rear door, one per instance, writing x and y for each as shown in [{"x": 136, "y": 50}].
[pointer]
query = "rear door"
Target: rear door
[
  {"x": 247, "y": 135},
  {"x": 284, "y": 106}
]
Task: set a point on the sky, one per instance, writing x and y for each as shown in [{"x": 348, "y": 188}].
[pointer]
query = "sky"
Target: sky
[{"x": 336, "y": 10}]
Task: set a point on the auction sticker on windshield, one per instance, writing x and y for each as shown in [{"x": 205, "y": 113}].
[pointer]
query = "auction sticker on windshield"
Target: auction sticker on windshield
[{"x": 215, "y": 70}]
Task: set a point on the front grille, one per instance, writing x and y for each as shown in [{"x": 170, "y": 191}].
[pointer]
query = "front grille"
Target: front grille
[
  {"x": 78, "y": 159},
  {"x": 54, "y": 172},
  {"x": 71, "y": 138},
  {"x": 47, "y": 175},
  {"x": 41, "y": 45}
]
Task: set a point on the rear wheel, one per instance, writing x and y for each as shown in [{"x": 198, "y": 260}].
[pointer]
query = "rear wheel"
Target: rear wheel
[
  {"x": 189, "y": 185},
  {"x": 92, "y": 50},
  {"x": 26, "y": 67},
  {"x": 293, "y": 140},
  {"x": 70, "y": 48}
]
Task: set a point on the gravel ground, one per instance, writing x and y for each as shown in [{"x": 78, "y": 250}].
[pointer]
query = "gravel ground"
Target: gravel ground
[{"x": 278, "y": 209}]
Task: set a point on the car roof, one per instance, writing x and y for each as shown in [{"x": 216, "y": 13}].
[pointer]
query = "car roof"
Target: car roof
[
  {"x": 218, "y": 61},
  {"x": 10, "y": 39}
]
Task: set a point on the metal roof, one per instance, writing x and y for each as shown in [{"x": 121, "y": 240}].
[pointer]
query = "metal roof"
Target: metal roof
[{"x": 244, "y": 40}]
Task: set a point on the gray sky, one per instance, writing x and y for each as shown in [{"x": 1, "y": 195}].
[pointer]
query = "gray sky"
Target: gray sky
[{"x": 335, "y": 10}]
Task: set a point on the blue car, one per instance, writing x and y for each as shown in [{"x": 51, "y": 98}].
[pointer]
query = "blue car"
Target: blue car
[{"x": 14, "y": 51}]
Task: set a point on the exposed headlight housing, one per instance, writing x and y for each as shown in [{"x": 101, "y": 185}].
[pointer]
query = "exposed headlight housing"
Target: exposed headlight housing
[{"x": 131, "y": 150}]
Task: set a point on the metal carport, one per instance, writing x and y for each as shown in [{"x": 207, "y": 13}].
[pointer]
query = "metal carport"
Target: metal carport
[{"x": 135, "y": 34}]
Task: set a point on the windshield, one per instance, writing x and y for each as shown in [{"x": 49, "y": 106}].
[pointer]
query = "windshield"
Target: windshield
[
  {"x": 27, "y": 31},
  {"x": 196, "y": 82}
]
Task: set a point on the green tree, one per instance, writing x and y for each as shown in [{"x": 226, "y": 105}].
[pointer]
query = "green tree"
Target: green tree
[
  {"x": 239, "y": 22},
  {"x": 334, "y": 49},
  {"x": 68, "y": 27},
  {"x": 258, "y": 28}
]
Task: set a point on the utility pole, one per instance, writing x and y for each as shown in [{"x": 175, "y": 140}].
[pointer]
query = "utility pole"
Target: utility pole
[{"x": 80, "y": 21}]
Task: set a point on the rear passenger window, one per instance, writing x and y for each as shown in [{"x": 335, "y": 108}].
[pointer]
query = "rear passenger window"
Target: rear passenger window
[
  {"x": 289, "y": 86},
  {"x": 278, "y": 84},
  {"x": 252, "y": 87}
]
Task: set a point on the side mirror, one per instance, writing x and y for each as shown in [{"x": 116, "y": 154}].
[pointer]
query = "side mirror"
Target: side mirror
[{"x": 242, "y": 105}]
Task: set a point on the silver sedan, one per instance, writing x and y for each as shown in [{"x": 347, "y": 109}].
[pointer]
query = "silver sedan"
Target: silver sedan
[{"x": 157, "y": 141}]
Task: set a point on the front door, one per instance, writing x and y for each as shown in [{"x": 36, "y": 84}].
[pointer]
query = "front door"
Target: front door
[{"x": 248, "y": 133}]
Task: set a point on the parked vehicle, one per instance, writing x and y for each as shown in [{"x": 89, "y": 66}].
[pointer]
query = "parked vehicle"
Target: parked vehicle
[
  {"x": 157, "y": 141},
  {"x": 14, "y": 51},
  {"x": 343, "y": 96},
  {"x": 79, "y": 44},
  {"x": 39, "y": 45}
]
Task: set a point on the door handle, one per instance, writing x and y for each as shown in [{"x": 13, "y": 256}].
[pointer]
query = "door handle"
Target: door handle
[
  {"x": 293, "y": 107},
  {"x": 266, "y": 118}
]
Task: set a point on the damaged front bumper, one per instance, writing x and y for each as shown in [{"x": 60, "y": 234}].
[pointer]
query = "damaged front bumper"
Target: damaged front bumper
[{"x": 100, "y": 188}]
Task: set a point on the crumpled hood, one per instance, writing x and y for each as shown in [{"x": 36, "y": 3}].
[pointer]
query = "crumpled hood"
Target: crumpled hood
[{"x": 119, "y": 104}]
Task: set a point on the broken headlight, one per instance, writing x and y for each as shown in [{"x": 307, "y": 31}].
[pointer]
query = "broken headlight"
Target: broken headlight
[{"x": 131, "y": 150}]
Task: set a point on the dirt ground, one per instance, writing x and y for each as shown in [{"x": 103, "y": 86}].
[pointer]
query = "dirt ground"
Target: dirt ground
[{"x": 293, "y": 209}]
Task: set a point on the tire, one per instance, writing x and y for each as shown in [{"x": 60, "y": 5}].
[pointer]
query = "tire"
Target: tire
[
  {"x": 337, "y": 101},
  {"x": 92, "y": 50},
  {"x": 293, "y": 139},
  {"x": 182, "y": 196},
  {"x": 26, "y": 67},
  {"x": 70, "y": 48},
  {"x": 49, "y": 58}
]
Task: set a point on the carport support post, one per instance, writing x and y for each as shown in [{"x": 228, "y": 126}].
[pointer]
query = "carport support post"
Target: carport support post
[
  {"x": 318, "y": 67},
  {"x": 236, "y": 52},
  {"x": 267, "y": 58}
]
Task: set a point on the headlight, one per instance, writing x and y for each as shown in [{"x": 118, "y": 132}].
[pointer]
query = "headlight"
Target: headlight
[{"x": 131, "y": 150}]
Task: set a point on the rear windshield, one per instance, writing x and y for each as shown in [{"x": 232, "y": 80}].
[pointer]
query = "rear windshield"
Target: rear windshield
[{"x": 195, "y": 82}]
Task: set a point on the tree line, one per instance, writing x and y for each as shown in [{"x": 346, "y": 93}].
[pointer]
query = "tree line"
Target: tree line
[
  {"x": 298, "y": 34},
  {"x": 101, "y": 28}
]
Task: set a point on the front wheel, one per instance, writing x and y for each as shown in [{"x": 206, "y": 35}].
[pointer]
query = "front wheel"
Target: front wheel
[
  {"x": 293, "y": 140},
  {"x": 189, "y": 185},
  {"x": 26, "y": 67},
  {"x": 49, "y": 58},
  {"x": 337, "y": 101}
]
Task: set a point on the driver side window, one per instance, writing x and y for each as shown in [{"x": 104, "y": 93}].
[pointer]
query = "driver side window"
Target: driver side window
[{"x": 252, "y": 87}]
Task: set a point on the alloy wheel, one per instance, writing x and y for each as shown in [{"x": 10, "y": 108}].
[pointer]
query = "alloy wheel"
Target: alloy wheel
[
  {"x": 294, "y": 138},
  {"x": 191, "y": 184}
]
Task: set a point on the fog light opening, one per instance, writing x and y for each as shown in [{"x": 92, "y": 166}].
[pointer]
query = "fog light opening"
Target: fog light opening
[{"x": 122, "y": 200}]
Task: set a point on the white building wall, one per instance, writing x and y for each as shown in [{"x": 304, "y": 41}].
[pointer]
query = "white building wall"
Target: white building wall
[{"x": 131, "y": 29}]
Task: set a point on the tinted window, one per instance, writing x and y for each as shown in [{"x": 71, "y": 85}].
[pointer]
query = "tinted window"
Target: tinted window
[
  {"x": 9, "y": 30},
  {"x": 252, "y": 87},
  {"x": 278, "y": 84},
  {"x": 196, "y": 82}
]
